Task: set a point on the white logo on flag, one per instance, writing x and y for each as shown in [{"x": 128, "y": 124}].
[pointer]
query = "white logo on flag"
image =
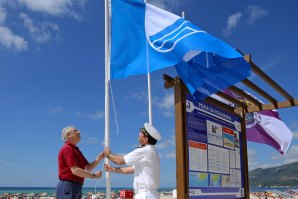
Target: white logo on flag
[{"x": 157, "y": 21}]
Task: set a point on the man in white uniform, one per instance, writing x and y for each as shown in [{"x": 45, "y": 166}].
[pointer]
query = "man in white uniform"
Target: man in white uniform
[{"x": 143, "y": 162}]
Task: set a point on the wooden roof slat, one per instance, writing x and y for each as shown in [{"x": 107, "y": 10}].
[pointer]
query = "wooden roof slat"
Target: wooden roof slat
[
  {"x": 266, "y": 78},
  {"x": 243, "y": 107},
  {"x": 266, "y": 107},
  {"x": 254, "y": 87},
  {"x": 270, "y": 81}
]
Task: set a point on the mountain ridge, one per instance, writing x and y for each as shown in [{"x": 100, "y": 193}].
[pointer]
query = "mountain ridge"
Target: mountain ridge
[{"x": 284, "y": 175}]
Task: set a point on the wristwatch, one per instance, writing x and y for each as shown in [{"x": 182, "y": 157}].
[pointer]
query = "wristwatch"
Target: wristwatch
[{"x": 93, "y": 175}]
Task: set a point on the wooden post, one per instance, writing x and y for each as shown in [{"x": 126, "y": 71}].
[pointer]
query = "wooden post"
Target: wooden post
[
  {"x": 244, "y": 153},
  {"x": 181, "y": 147}
]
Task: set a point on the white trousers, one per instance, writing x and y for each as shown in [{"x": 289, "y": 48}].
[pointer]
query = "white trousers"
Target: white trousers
[{"x": 149, "y": 194}]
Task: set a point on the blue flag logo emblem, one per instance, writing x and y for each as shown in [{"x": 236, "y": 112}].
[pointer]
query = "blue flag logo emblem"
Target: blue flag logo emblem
[{"x": 166, "y": 40}]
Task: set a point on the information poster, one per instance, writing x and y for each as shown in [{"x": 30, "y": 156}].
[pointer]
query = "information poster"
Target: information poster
[{"x": 215, "y": 152}]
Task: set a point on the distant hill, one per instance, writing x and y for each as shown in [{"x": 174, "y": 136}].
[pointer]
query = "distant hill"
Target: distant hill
[{"x": 285, "y": 175}]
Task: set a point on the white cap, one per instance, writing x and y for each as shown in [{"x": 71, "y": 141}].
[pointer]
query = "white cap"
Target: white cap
[{"x": 152, "y": 131}]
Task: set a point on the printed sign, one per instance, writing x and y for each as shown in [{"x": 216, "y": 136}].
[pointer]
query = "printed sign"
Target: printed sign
[{"x": 215, "y": 152}]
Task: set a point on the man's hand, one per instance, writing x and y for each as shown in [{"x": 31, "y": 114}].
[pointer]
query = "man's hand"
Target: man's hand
[
  {"x": 108, "y": 168},
  {"x": 100, "y": 157},
  {"x": 98, "y": 174},
  {"x": 107, "y": 151}
]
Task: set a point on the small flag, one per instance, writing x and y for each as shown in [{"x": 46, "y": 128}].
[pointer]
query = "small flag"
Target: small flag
[
  {"x": 265, "y": 127},
  {"x": 146, "y": 38}
]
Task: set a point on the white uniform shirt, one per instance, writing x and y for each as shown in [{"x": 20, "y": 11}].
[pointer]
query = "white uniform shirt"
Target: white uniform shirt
[{"x": 145, "y": 161}]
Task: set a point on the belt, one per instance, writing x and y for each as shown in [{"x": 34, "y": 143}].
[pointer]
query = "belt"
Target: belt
[
  {"x": 71, "y": 181},
  {"x": 143, "y": 190}
]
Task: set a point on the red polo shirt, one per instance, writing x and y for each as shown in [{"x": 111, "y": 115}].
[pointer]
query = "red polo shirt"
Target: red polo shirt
[{"x": 69, "y": 156}]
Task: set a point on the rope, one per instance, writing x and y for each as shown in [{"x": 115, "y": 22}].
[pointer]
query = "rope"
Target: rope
[{"x": 115, "y": 113}]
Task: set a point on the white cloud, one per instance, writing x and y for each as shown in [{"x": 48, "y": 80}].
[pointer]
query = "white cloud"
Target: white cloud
[
  {"x": 55, "y": 7},
  {"x": 55, "y": 110},
  {"x": 295, "y": 134},
  {"x": 140, "y": 96},
  {"x": 11, "y": 41},
  {"x": 251, "y": 153},
  {"x": 166, "y": 142},
  {"x": 232, "y": 22},
  {"x": 94, "y": 116},
  {"x": 277, "y": 159},
  {"x": 252, "y": 163},
  {"x": 171, "y": 155},
  {"x": 167, "y": 104},
  {"x": 255, "y": 13},
  {"x": 42, "y": 32},
  {"x": 2, "y": 14},
  {"x": 289, "y": 157},
  {"x": 92, "y": 140},
  {"x": 166, "y": 147},
  {"x": 250, "y": 15}
]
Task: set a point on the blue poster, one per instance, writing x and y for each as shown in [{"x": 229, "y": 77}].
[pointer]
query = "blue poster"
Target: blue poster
[{"x": 215, "y": 151}]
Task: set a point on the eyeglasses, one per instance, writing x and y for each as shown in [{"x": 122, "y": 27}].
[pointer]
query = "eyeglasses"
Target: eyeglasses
[{"x": 75, "y": 131}]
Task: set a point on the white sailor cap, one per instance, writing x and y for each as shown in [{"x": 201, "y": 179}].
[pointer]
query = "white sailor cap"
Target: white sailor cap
[{"x": 153, "y": 132}]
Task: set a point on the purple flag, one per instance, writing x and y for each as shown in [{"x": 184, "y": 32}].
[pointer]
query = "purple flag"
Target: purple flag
[{"x": 265, "y": 127}]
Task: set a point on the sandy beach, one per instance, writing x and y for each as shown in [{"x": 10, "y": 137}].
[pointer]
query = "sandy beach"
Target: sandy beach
[{"x": 272, "y": 194}]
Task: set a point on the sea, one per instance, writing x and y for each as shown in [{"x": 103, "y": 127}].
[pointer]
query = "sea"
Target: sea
[{"x": 51, "y": 190}]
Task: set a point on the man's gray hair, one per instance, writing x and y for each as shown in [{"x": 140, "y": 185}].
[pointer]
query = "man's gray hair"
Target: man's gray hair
[{"x": 65, "y": 131}]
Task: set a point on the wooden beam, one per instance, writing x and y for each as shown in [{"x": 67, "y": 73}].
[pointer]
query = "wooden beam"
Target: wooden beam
[
  {"x": 259, "y": 90},
  {"x": 266, "y": 107},
  {"x": 168, "y": 81},
  {"x": 270, "y": 81},
  {"x": 266, "y": 78}
]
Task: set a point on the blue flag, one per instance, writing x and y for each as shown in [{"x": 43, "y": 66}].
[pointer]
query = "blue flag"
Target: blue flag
[{"x": 146, "y": 38}]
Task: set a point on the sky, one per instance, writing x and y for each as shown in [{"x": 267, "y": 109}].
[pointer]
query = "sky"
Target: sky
[{"x": 52, "y": 76}]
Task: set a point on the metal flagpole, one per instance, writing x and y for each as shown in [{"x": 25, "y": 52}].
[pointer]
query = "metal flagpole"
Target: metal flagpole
[
  {"x": 149, "y": 83},
  {"x": 149, "y": 95},
  {"x": 107, "y": 97}
]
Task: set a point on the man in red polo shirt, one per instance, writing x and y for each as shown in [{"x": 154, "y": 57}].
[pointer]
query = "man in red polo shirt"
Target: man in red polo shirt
[{"x": 73, "y": 166}]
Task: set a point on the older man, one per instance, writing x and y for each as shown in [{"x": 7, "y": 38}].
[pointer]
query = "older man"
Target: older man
[
  {"x": 143, "y": 162},
  {"x": 73, "y": 166}
]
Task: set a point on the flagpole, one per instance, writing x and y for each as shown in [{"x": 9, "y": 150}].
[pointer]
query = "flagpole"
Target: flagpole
[
  {"x": 149, "y": 95},
  {"x": 149, "y": 82},
  {"x": 107, "y": 97}
]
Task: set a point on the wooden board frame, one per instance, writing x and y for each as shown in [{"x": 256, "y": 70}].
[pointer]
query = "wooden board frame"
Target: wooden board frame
[
  {"x": 180, "y": 91},
  {"x": 182, "y": 166}
]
